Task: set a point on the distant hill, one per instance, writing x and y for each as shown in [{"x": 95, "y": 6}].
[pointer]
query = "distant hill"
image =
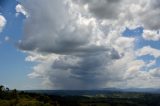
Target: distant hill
[
  {"x": 95, "y": 92},
  {"x": 143, "y": 90},
  {"x": 103, "y": 97}
]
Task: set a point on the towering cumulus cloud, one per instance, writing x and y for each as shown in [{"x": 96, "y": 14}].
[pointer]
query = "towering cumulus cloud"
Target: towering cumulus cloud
[{"x": 78, "y": 44}]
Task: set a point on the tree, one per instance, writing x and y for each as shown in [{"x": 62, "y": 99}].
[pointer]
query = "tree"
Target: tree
[
  {"x": 7, "y": 89},
  {"x": 1, "y": 88},
  {"x": 1, "y": 91}
]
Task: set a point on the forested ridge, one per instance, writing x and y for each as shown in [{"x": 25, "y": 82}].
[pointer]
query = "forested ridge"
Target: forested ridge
[
  {"x": 20, "y": 98},
  {"x": 32, "y": 98}
]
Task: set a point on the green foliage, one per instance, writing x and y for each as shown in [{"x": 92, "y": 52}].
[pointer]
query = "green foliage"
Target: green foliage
[
  {"x": 17, "y": 98},
  {"x": 21, "y": 98}
]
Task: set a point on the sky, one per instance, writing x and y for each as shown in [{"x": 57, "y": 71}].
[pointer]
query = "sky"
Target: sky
[{"x": 79, "y": 44}]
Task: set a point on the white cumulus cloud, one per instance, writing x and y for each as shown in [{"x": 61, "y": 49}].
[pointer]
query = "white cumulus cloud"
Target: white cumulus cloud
[
  {"x": 20, "y": 9},
  {"x": 151, "y": 35},
  {"x": 148, "y": 50},
  {"x": 3, "y": 22}
]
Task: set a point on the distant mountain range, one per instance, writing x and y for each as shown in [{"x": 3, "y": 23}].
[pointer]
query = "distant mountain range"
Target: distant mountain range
[
  {"x": 143, "y": 90},
  {"x": 95, "y": 92}
]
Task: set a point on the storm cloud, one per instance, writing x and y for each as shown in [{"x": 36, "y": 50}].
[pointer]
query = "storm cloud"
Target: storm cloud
[
  {"x": 81, "y": 61},
  {"x": 79, "y": 44}
]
